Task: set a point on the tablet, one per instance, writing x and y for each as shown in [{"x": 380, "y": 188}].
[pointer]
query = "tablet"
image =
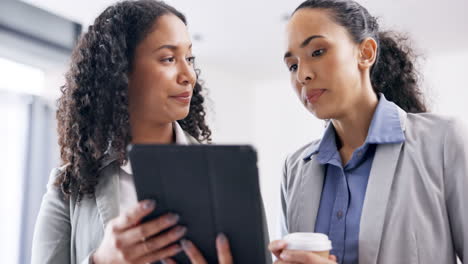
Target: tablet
[{"x": 213, "y": 189}]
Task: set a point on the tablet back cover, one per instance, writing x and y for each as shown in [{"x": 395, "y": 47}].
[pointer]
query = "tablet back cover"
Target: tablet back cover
[{"x": 213, "y": 188}]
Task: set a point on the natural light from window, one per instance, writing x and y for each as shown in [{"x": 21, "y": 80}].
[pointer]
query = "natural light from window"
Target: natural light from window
[{"x": 17, "y": 83}]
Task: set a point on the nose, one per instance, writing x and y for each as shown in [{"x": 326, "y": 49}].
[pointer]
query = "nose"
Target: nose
[
  {"x": 304, "y": 74},
  {"x": 186, "y": 74}
]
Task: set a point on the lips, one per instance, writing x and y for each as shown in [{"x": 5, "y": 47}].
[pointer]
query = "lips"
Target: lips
[
  {"x": 314, "y": 95},
  {"x": 185, "y": 94},
  {"x": 184, "y": 97}
]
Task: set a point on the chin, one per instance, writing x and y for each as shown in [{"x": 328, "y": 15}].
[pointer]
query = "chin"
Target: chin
[
  {"x": 181, "y": 114},
  {"x": 320, "y": 113}
]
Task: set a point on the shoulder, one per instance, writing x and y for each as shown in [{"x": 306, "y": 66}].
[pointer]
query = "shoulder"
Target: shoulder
[
  {"x": 455, "y": 136},
  {"x": 429, "y": 119},
  {"x": 295, "y": 160},
  {"x": 429, "y": 127},
  {"x": 106, "y": 171},
  {"x": 296, "y": 157},
  {"x": 434, "y": 138},
  {"x": 52, "y": 185},
  {"x": 294, "y": 166}
]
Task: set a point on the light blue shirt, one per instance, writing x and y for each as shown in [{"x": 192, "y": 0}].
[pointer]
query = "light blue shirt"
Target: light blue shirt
[{"x": 344, "y": 188}]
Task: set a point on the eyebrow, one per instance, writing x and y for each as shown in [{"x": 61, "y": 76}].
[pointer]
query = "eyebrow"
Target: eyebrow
[
  {"x": 171, "y": 47},
  {"x": 303, "y": 44}
]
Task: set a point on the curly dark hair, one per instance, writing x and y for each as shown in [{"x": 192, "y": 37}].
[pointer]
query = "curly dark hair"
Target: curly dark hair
[
  {"x": 92, "y": 115},
  {"x": 393, "y": 73}
]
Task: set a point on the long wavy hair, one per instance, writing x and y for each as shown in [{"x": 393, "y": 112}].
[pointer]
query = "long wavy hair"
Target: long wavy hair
[
  {"x": 92, "y": 115},
  {"x": 394, "y": 73}
]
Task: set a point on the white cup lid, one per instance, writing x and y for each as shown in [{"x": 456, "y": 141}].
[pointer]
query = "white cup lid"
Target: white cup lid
[{"x": 308, "y": 241}]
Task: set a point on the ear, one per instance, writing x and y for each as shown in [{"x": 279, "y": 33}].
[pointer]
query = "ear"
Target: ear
[{"x": 367, "y": 53}]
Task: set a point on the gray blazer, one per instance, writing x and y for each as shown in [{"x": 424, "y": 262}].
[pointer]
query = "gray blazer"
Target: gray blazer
[
  {"x": 416, "y": 204},
  {"x": 66, "y": 232}
]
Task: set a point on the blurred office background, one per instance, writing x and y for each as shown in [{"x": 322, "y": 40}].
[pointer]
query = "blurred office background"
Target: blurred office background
[{"x": 239, "y": 47}]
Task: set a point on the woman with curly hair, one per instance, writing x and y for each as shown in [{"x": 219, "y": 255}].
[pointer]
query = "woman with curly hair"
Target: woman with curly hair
[
  {"x": 131, "y": 80},
  {"x": 387, "y": 181}
]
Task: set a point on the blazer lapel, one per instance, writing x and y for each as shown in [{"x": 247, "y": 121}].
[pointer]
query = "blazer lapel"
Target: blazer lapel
[
  {"x": 377, "y": 196},
  {"x": 308, "y": 200},
  {"x": 107, "y": 194},
  {"x": 191, "y": 140},
  {"x": 108, "y": 190}
]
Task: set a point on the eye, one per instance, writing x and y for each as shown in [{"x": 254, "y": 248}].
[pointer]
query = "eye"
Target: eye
[
  {"x": 191, "y": 59},
  {"x": 293, "y": 68},
  {"x": 318, "y": 52},
  {"x": 169, "y": 59}
]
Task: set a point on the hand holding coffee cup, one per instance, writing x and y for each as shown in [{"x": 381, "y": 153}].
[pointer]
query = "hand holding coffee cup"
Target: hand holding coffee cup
[{"x": 303, "y": 248}]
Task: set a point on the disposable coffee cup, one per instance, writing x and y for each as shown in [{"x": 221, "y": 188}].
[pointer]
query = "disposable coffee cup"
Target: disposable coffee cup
[{"x": 314, "y": 242}]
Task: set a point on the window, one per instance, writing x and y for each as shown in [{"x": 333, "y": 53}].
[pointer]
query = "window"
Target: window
[{"x": 17, "y": 81}]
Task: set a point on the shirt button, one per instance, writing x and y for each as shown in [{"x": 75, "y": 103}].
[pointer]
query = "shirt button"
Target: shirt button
[{"x": 339, "y": 214}]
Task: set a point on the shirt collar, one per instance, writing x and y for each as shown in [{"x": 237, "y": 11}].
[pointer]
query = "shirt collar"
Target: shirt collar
[
  {"x": 180, "y": 139},
  {"x": 326, "y": 146},
  {"x": 385, "y": 128}
]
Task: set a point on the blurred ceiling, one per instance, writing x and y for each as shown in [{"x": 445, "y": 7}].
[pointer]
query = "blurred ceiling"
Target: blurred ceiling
[{"x": 247, "y": 35}]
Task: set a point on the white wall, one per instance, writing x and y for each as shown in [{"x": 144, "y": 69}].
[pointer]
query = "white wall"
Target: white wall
[
  {"x": 446, "y": 75},
  {"x": 229, "y": 104},
  {"x": 281, "y": 126}
]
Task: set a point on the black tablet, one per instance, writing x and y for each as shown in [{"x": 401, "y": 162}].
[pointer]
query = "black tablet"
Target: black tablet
[{"x": 213, "y": 188}]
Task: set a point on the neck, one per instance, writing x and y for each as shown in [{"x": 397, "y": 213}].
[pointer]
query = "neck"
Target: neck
[
  {"x": 151, "y": 133},
  {"x": 352, "y": 128}
]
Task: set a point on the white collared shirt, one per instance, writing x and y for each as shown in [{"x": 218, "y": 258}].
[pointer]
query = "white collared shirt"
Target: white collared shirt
[{"x": 128, "y": 197}]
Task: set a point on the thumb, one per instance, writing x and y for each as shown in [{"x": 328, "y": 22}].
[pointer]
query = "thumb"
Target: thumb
[{"x": 134, "y": 215}]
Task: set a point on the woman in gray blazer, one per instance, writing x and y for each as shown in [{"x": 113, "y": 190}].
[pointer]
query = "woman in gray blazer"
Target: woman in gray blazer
[
  {"x": 387, "y": 181},
  {"x": 132, "y": 80}
]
